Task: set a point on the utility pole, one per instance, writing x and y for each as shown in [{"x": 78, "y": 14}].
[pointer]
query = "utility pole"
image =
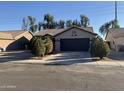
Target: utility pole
[
  {"x": 115, "y": 10},
  {"x": 116, "y": 20}
]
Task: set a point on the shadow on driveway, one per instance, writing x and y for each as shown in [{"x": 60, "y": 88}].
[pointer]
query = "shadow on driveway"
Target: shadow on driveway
[
  {"x": 15, "y": 56},
  {"x": 69, "y": 58}
]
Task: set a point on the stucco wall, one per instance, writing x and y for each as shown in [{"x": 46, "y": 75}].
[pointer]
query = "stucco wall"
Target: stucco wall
[
  {"x": 71, "y": 34},
  {"x": 119, "y": 42}
]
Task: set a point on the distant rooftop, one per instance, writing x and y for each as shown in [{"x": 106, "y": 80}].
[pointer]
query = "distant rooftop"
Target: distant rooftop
[
  {"x": 10, "y": 34},
  {"x": 116, "y": 32}
]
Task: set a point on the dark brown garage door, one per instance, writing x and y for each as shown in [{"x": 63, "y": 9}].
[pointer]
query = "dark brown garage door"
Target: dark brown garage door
[{"x": 80, "y": 44}]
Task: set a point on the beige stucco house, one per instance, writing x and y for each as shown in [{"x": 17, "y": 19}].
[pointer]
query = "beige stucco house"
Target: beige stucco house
[
  {"x": 70, "y": 39},
  {"x": 115, "y": 39},
  {"x": 14, "y": 40}
]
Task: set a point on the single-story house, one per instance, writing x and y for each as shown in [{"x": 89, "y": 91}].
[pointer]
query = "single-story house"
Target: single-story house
[
  {"x": 70, "y": 39},
  {"x": 14, "y": 40},
  {"x": 115, "y": 39}
]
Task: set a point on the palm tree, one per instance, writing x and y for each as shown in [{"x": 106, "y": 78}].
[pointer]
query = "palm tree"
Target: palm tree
[
  {"x": 61, "y": 24},
  {"x": 32, "y": 24},
  {"x": 25, "y": 24},
  {"x": 84, "y": 21},
  {"x": 69, "y": 23},
  {"x": 76, "y": 23},
  {"x": 48, "y": 20},
  {"x": 114, "y": 24},
  {"x": 104, "y": 29}
]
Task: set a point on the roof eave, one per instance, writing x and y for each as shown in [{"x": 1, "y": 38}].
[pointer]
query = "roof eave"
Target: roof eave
[{"x": 77, "y": 28}]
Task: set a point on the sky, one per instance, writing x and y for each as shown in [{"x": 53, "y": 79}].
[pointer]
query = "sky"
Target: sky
[{"x": 12, "y": 12}]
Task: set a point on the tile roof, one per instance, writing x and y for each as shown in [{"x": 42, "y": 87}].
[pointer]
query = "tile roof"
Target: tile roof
[
  {"x": 118, "y": 32},
  {"x": 10, "y": 34},
  {"x": 54, "y": 32}
]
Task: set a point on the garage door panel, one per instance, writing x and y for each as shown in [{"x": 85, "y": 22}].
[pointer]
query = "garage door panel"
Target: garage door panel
[{"x": 81, "y": 44}]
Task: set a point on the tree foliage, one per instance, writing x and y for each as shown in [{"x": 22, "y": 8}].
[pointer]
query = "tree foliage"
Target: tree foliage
[
  {"x": 49, "y": 22},
  {"x": 29, "y": 23},
  {"x": 84, "y": 21},
  {"x": 61, "y": 24},
  {"x": 69, "y": 23},
  {"x": 41, "y": 45},
  {"x": 76, "y": 23},
  {"x": 99, "y": 48},
  {"x": 104, "y": 29},
  {"x": 49, "y": 45}
]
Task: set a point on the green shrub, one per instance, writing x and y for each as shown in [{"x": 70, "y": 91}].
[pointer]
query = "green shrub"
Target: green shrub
[
  {"x": 37, "y": 46},
  {"x": 31, "y": 44},
  {"x": 41, "y": 45},
  {"x": 49, "y": 45},
  {"x": 99, "y": 48}
]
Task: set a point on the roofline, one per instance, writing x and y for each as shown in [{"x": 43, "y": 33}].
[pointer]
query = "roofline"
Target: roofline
[
  {"x": 111, "y": 31},
  {"x": 30, "y": 33},
  {"x": 77, "y": 28},
  {"x": 12, "y": 30},
  {"x": 43, "y": 35},
  {"x": 7, "y": 39},
  {"x": 25, "y": 32},
  {"x": 117, "y": 28}
]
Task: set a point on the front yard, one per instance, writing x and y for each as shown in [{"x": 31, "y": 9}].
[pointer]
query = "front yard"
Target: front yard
[
  {"x": 63, "y": 58},
  {"x": 61, "y": 71}
]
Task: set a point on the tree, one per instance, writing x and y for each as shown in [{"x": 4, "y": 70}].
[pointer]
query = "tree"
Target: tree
[
  {"x": 49, "y": 45},
  {"x": 40, "y": 25},
  {"x": 99, "y": 48},
  {"x": 76, "y": 23},
  {"x": 104, "y": 29},
  {"x": 61, "y": 24},
  {"x": 32, "y": 23},
  {"x": 84, "y": 21},
  {"x": 48, "y": 21},
  {"x": 31, "y": 44},
  {"x": 39, "y": 47},
  {"x": 25, "y": 24},
  {"x": 69, "y": 23}
]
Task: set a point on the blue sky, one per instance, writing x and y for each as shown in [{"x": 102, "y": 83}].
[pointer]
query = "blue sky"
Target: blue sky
[{"x": 11, "y": 13}]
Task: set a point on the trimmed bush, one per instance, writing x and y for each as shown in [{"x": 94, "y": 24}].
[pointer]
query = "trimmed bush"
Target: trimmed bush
[
  {"x": 99, "y": 48},
  {"x": 31, "y": 44},
  {"x": 49, "y": 45},
  {"x": 39, "y": 47}
]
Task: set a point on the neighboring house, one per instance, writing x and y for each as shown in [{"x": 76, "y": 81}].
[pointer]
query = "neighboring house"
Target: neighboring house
[
  {"x": 115, "y": 39},
  {"x": 14, "y": 40},
  {"x": 70, "y": 39}
]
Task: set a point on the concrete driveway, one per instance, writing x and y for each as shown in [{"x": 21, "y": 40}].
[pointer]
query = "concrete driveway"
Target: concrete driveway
[{"x": 67, "y": 58}]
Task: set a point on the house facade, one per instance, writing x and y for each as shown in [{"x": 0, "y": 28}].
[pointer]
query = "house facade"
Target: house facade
[
  {"x": 14, "y": 40},
  {"x": 115, "y": 39},
  {"x": 70, "y": 39}
]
